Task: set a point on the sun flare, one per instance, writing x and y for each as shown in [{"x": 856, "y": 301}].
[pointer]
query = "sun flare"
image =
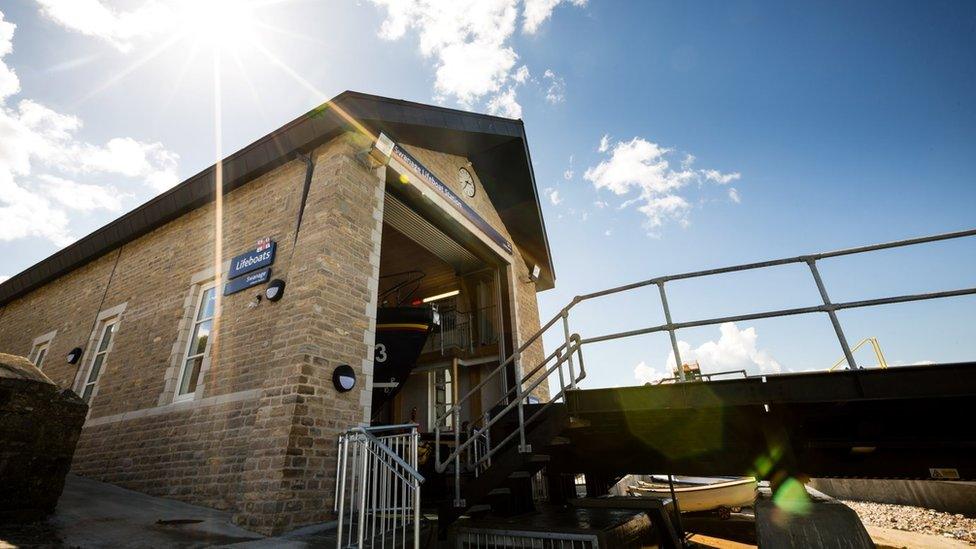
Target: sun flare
[{"x": 218, "y": 24}]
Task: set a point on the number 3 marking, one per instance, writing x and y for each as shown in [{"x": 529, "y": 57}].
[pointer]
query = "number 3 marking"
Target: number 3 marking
[{"x": 379, "y": 354}]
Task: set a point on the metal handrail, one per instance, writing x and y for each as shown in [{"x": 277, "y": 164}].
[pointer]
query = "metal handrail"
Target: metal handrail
[
  {"x": 383, "y": 486},
  {"x": 882, "y": 363},
  {"x": 707, "y": 376},
  {"x": 573, "y": 343}
]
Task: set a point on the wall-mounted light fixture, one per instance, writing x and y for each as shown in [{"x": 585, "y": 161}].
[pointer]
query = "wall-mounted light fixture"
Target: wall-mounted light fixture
[
  {"x": 534, "y": 273},
  {"x": 74, "y": 355},
  {"x": 439, "y": 297},
  {"x": 382, "y": 149},
  {"x": 275, "y": 289},
  {"x": 344, "y": 378}
]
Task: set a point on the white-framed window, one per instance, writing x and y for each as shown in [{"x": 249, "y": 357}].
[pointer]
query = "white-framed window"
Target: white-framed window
[
  {"x": 198, "y": 346},
  {"x": 39, "y": 353},
  {"x": 108, "y": 329},
  {"x": 441, "y": 396},
  {"x": 40, "y": 348}
]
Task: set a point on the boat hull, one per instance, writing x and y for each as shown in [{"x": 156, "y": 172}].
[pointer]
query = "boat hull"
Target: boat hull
[
  {"x": 704, "y": 497},
  {"x": 401, "y": 333}
]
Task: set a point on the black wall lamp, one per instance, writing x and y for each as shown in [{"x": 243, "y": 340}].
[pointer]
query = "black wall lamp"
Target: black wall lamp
[
  {"x": 344, "y": 378},
  {"x": 275, "y": 289},
  {"x": 74, "y": 355}
]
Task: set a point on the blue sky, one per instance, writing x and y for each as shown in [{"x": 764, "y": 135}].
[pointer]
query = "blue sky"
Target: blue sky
[{"x": 836, "y": 124}]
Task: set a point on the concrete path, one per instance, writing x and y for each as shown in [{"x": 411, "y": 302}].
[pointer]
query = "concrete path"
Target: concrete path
[{"x": 96, "y": 514}]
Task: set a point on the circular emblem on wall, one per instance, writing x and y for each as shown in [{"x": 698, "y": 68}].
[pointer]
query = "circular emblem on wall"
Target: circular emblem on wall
[{"x": 467, "y": 183}]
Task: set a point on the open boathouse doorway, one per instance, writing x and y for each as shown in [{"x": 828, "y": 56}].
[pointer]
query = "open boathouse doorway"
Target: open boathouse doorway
[{"x": 444, "y": 295}]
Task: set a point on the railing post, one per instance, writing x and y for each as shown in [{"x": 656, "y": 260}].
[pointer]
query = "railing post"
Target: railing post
[
  {"x": 487, "y": 439},
  {"x": 524, "y": 448},
  {"x": 562, "y": 377},
  {"x": 456, "y": 416},
  {"x": 569, "y": 359},
  {"x": 674, "y": 339},
  {"x": 341, "y": 484},
  {"x": 414, "y": 439},
  {"x": 364, "y": 472},
  {"x": 470, "y": 332},
  {"x": 812, "y": 263}
]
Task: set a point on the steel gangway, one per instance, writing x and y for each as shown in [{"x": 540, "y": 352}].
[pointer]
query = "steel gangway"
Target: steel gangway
[{"x": 564, "y": 366}]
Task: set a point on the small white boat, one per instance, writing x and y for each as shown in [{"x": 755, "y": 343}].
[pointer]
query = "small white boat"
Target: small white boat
[{"x": 702, "y": 497}]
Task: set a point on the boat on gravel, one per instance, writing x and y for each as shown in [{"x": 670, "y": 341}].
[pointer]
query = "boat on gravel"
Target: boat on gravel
[{"x": 697, "y": 494}]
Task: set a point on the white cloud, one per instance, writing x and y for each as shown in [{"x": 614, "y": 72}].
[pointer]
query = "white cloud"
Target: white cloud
[
  {"x": 719, "y": 177},
  {"x": 468, "y": 41},
  {"x": 4, "y": 278},
  {"x": 556, "y": 90},
  {"x": 81, "y": 196},
  {"x": 601, "y": 204},
  {"x": 538, "y": 11},
  {"x": 570, "y": 172},
  {"x": 608, "y": 232},
  {"x": 734, "y": 195},
  {"x": 735, "y": 350},
  {"x": 38, "y": 146},
  {"x": 642, "y": 170},
  {"x": 645, "y": 374},
  {"x": 469, "y": 44},
  {"x": 505, "y": 104},
  {"x": 553, "y": 195},
  {"x": 9, "y": 83},
  {"x": 118, "y": 28}
]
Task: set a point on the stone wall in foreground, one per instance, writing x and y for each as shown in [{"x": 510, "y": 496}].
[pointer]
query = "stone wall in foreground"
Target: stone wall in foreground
[{"x": 39, "y": 428}]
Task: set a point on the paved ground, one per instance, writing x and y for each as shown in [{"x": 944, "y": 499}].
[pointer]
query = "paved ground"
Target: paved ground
[{"x": 123, "y": 518}]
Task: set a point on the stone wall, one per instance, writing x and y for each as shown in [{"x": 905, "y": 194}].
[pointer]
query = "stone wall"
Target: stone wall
[
  {"x": 258, "y": 437},
  {"x": 330, "y": 320},
  {"x": 39, "y": 428}
]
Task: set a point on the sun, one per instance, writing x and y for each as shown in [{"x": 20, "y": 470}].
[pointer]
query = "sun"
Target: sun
[{"x": 218, "y": 24}]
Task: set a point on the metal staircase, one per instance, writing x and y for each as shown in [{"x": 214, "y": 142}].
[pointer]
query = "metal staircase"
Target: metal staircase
[{"x": 522, "y": 434}]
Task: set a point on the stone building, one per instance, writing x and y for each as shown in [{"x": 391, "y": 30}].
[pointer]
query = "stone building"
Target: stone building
[{"x": 203, "y": 389}]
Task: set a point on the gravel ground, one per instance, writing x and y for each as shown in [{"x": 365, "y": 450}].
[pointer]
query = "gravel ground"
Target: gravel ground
[{"x": 916, "y": 519}]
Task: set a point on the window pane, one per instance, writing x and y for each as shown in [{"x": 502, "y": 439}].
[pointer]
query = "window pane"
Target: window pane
[
  {"x": 200, "y": 336},
  {"x": 207, "y": 304},
  {"x": 40, "y": 357},
  {"x": 86, "y": 395},
  {"x": 191, "y": 372},
  {"x": 96, "y": 368},
  {"x": 106, "y": 337}
]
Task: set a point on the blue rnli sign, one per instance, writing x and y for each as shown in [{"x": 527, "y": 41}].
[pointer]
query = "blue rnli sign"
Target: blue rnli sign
[
  {"x": 244, "y": 282},
  {"x": 253, "y": 260}
]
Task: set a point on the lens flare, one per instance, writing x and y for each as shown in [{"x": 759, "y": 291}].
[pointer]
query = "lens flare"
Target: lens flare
[{"x": 219, "y": 24}]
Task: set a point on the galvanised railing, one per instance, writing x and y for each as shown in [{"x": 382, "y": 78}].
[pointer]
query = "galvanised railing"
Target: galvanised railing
[
  {"x": 516, "y": 398},
  {"x": 378, "y": 487}
]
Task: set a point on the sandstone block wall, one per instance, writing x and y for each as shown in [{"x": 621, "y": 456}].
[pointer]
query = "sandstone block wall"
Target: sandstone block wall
[{"x": 259, "y": 435}]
